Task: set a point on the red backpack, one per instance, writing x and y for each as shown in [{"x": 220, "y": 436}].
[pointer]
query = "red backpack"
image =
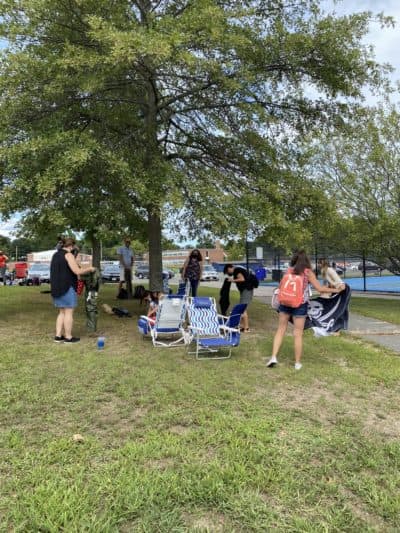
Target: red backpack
[{"x": 291, "y": 289}]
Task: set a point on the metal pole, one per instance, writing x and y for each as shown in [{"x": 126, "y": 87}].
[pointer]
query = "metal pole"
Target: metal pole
[
  {"x": 364, "y": 272},
  {"x": 316, "y": 259},
  {"x": 247, "y": 253}
]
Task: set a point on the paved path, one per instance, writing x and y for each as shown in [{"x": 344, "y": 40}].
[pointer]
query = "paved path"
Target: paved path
[
  {"x": 370, "y": 329},
  {"x": 378, "y": 331}
]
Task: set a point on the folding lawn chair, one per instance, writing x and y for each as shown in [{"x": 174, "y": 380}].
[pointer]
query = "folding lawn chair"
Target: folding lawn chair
[
  {"x": 183, "y": 288},
  {"x": 168, "y": 322},
  {"x": 233, "y": 320},
  {"x": 212, "y": 332}
]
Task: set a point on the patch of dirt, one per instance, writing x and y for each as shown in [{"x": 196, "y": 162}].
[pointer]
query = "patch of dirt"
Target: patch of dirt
[
  {"x": 210, "y": 522},
  {"x": 389, "y": 426},
  {"x": 112, "y": 416},
  {"x": 376, "y": 410},
  {"x": 160, "y": 464},
  {"x": 359, "y": 509},
  {"x": 179, "y": 429}
]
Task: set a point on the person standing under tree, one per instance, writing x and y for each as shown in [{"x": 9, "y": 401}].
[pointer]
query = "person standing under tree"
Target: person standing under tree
[
  {"x": 3, "y": 267},
  {"x": 64, "y": 272},
  {"x": 192, "y": 270},
  {"x": 125, "y": 256}
]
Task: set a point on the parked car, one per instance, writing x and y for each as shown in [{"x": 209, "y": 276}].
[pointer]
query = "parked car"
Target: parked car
[
  {"x": 369, "y": 267},
  {"x": 143, "y": 271},
  {"x": 209, "y": 273},
  {"x": 38, "y": 272},
  {"x": 110, "y": 273},
  {"x": 352, "y": 266}
]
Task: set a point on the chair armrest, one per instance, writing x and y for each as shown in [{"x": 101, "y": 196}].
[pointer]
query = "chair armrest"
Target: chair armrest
[
  {"x": 232, "y": 330},
  {"x": 199, "y": 330}
]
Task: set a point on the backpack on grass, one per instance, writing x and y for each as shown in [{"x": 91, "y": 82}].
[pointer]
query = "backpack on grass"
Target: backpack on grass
[
  {"x": 139, "y": 292},
  {"x": 122, "y": 294},
  {"x": 291, "y": 289}
]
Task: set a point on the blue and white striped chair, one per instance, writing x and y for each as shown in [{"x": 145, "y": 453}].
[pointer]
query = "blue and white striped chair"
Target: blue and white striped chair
[
  {"x": 183, "y": 289},
  {"x": 211, "y": 332}
]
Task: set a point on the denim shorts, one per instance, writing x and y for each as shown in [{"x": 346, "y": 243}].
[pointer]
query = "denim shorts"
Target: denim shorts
[
  {"x": 294, "y": 311},
  {"x": 68, "y": 300}
]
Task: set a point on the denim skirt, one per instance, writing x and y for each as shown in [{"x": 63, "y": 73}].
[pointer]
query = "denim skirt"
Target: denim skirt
[{"x": 68, "y": 300}]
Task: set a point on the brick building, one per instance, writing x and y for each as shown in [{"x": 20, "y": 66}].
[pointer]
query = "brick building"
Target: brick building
[
  {"x": 176, "y": 258},
  {"x": 45, "y": 257}
]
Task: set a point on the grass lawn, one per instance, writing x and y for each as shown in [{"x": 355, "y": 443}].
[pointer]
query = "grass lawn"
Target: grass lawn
[
  {"x": 379, "y": 308},
  {"x": 175, "y": 445}
]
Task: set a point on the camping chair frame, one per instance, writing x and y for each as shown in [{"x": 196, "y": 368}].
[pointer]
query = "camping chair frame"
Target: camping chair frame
[
  {"x": 210, "y": 331},
  {"x": 168, "y": 322}
]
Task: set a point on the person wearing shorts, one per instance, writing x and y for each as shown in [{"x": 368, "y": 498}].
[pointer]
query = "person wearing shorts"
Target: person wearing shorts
[
  {"x": 64, "y": 271},
  {"x": 240, "y": 276},
  {"x": 299, "y": 265}
]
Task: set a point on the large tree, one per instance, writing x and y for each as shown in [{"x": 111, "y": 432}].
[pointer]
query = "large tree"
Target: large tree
[
  {"x": 152, "y": 106},
  {"x": 361, "y": 169}
]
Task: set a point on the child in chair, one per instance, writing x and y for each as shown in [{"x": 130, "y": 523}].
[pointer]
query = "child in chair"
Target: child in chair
[{"x": 153, "y": 299}]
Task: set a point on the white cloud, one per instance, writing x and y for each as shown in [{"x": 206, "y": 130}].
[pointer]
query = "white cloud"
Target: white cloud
[
  {"x": 8, "y": 227},
  {"x": 386, "y": 41}
]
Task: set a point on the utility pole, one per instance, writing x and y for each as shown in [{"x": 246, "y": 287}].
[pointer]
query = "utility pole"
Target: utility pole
[{"x": 247, "y": 251}]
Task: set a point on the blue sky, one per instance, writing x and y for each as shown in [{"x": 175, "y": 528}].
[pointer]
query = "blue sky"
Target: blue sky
[{"x": 385, "y": 41}]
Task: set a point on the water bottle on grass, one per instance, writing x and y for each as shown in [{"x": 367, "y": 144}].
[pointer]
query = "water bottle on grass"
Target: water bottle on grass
[{"x": 100, "y": 342}]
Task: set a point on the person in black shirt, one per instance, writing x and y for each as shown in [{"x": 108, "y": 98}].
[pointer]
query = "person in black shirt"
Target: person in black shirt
[
  {"x": 241, "y": 277},
  {"x": 64, "y": 271}
]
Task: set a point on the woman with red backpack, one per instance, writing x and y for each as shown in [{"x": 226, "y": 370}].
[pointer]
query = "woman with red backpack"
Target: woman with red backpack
[{"x": 293, "y": 298}]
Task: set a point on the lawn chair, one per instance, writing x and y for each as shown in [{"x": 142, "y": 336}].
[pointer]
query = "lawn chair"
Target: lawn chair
[
  {"x": 183, "y": 288},
  {"x": 168, "y": 323},
  {"x": 233, "y": 320},
  {"x": 212, "y": 332}
]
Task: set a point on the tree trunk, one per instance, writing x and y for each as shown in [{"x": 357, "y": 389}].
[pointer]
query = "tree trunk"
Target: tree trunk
[
  {"x": 155, "y": 249},
  {"x": 96, "y": 251}
]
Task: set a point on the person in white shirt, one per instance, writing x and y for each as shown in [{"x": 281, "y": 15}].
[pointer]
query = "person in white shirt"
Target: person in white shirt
[
  {"x": 329, "y": 275},
  {"x": 126, "y": 257}
]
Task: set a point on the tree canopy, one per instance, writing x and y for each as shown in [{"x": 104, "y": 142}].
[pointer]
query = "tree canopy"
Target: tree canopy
[
  {"x": 121, "y": 113},
  {"x": 360, "y": 168}
]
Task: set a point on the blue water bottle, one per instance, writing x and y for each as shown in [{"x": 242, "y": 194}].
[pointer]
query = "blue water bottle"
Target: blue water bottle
[{"x": 100, "y": 343}]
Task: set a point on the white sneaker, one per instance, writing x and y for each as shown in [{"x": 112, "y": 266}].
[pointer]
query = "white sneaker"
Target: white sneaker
[
  {"x": 272, "y": 362},
  {"x": 297, "y": 366}
]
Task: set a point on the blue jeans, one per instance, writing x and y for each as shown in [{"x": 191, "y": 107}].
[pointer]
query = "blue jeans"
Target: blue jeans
[{"x": 194, "y": 283}]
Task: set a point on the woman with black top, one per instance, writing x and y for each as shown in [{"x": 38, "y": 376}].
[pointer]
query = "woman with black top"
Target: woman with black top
[
  {"x": 193, "y": 270},
  {"x": 64, "y": 271}
]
